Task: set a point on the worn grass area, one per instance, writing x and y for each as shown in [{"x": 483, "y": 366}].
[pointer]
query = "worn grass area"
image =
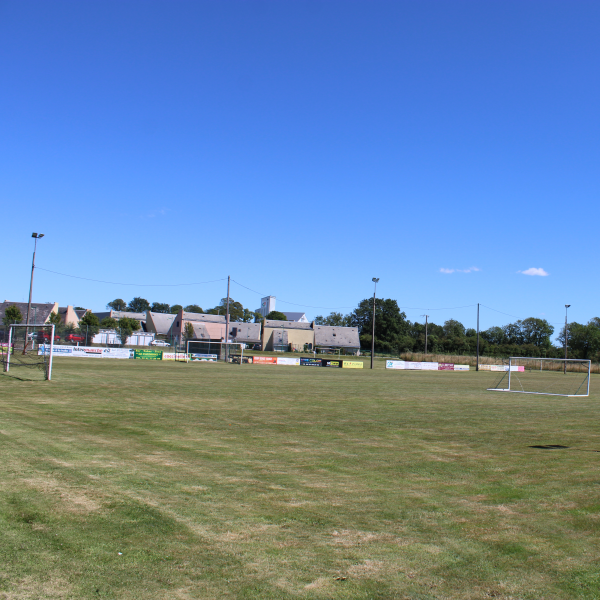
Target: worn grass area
[{"x": 135, "y": 479}]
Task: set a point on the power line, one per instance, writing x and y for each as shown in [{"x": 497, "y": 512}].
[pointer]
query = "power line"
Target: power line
[{"x": 131, "y": 284}]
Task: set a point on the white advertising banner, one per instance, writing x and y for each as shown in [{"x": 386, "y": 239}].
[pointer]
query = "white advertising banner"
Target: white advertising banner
[
  {"x": 175, "y": 356},
  {"x": 288, "y": 361},
  {"x": 413, "y": 366},
  {"x": 461, "y": 367},
  {"x": 394, "y": 364},
  {"x": 429, "y": 366},
  {"x": 87, "y": 351}
]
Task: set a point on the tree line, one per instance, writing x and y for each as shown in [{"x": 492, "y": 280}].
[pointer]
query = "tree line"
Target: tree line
[{"x": 394, "y": 334}]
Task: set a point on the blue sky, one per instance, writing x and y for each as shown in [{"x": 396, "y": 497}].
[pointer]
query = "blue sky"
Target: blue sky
[{"x": 304, "y": 148}]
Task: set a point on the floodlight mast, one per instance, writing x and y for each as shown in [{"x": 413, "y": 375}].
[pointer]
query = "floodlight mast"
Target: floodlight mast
[
  {"x": 375, "y": 280},
  {"x": 36, "y": 236},
  {"x": 566, "y": 332}
]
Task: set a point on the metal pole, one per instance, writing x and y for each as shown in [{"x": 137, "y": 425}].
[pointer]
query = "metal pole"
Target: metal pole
[
  {"x": 7, "y": 367},
  {"x": 426, "y": 317},
  {"x": 227, "y": 321},
  {"x": 30, "y": 292},
  {"x": 375, "y": 280},
  {"x": 477, "y": 367},
  {"x": 51, "y": 353},
  {"x": 566, "y": 333}
]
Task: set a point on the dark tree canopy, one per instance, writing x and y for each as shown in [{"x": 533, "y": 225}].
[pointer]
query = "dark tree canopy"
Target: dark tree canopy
[
  {"x": 160, "y": 307},
  {"x": 334, "y": 319},
  {"x": 118, "y": 304},
  {"x": 138, "y": 305},
  {"x": 193, "y": 308},
  {"x": 175, "y": 308},
  {"x": 12, "y": 315},
  {"x": 275, "y": 315}
]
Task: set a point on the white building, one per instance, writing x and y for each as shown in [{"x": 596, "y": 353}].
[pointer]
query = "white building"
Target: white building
[{"x": 266, "y": 305}]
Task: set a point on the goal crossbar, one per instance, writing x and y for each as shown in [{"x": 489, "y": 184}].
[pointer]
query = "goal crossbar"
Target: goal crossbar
[{"x": 12, "y": 348}]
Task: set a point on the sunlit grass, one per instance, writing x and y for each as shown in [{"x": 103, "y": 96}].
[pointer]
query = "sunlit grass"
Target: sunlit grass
[{"x": 134, "y": 479}]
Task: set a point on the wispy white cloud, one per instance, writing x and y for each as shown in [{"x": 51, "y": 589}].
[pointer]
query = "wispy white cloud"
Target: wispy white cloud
[
  {"x": 469, "y": 270},
  {"x": 534, "y": 271}
]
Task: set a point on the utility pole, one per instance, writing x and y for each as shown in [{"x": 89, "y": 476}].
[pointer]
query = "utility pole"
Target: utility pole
[
  {"x": 375, "y": 280},
  {"x": 227, "y": 320},
  {"x": 36, "y": 236},
  {"x": 477, "y": 366},
  {"x": 566, "y": 333},
  {"x": 426, "y": 317}
]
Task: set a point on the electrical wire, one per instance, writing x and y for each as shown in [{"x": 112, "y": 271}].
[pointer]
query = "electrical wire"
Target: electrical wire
[{"x": 132, "y": 284}]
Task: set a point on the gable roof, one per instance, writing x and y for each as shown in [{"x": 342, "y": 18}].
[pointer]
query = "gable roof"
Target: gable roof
[
  {"x": 190, "y": 316},
  {"x": 338, "y": 337},
  {"x": 296, "y": 316},
  {"x": 159, "y": 322},
  {"x": 245, "y": 332},
  {"x": 287, "y": 325},
  {"x": 39, "y": 311}
]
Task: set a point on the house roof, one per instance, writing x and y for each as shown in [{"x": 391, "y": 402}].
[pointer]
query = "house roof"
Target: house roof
[
  {"x": 162, "y": 321},
  {"x": 295, "y": 316},
  {"x": 208, "y": 331},
  {"x": 190, "y": 316},
  {"x": 81, "y": 312},
  {"x": 245, "y": 332},
  {"x": 39, "y": 311},
  {"x": 287, "y": 325},
  {"x": 339, "y": 337}
]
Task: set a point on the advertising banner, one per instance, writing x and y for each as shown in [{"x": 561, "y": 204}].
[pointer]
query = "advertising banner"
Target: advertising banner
[
  {"x": 413, "y": 366},
  {"x": 87, "y": 352},
  {"x": 485, "y": 367},
  {"x": 204, "y": 357},
  {"x": 174, "y": 356},
  {"x": 429, "y": 366},
  {"x": 326, "y": 362},
  {"x": 57, "y": 350},
  {"x": 265, "y": 360},
  {"x": 505, "y": 368},
  {"x": 149, "y": 354},
  {"x": 394, "y": 364},
  {"x": 310, "y": 362},
  {"x": 288, "y": 361},
  {"x": 118, "y": 353},
  {"x": 353, "y": 364},
  {"x": 445, "y": 367},
  {"x": 461, "y": 367}
]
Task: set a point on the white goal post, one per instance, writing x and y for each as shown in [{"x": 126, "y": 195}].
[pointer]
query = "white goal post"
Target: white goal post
[
  {"x": 21, "y": 349},
  {"x": 568, "y": 377},
  {"x": 200, "y": 350}
]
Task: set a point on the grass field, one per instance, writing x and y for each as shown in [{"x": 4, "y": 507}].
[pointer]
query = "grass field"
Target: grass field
[{"x": 135, "y": 479}]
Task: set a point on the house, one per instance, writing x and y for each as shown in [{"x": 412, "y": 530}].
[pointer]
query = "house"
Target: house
[
  {"x": 206, "y": 327},
  {"x": 283, "y": 336},
  {"x": 120, "y": 314},
  {"x": 70, "y": 316},
  {"x": 245, "y": 333},
  {"x": 299, "y": 317},
  {"x": 40, "y": 312},
  {"x": 337, "y": 338},
  {"x": 159, "y": 323}
]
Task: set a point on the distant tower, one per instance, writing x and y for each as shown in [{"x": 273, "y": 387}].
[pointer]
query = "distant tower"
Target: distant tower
[{"x": 266, "y": 305}]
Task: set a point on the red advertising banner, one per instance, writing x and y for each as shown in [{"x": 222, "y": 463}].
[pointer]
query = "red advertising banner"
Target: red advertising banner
[
  {"x": 265, "y": 360},
  {"x": 445, "y": 366}
]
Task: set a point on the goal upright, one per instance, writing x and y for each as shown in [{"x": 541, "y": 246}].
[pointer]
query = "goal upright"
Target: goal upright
[
  {"x": 568, "y": 377},
  {"x": 21, "y": 351}
]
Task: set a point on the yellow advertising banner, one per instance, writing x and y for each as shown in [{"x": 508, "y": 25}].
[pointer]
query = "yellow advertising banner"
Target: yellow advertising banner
[{"x": 352, "y": 364}]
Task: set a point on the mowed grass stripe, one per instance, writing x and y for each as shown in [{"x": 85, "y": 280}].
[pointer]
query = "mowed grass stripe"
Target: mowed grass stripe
[{"x": 286, "y": 482}]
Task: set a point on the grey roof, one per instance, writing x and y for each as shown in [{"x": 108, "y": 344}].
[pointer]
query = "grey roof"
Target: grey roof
[
  {"x": 294, "y": 316},
  {"x": 339, "y": 337},
  {"x": 119, "y": 314},
  {"x": 39, "y": 312},
  {"x": 81, "y": 313},
  {"x": 245, "y": 332},
  {"x": 162, "y": 321},
  {"x": 190, "y": 316},
  {"x": 287, "y": 325}
]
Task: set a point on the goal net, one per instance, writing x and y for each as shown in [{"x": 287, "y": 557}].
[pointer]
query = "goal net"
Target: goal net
[
  {"x": 198, "y": 350},
  {"x": 29, "y": 349},
  {"x": 550, "y": 376}
]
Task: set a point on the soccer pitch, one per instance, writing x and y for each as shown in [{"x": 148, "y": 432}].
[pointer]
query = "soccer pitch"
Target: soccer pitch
[{"x": 141, "y": 479}]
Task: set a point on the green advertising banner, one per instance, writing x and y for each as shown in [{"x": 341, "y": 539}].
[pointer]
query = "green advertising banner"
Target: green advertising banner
[{"x": 149, "y": 354}]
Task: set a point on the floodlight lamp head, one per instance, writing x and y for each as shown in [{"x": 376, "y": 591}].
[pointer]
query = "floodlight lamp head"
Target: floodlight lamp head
[
  {"x": 375, "y": 279},
  {"x": 34, "y": 235},
  {"x": 37, "y": 235},
  {"x": 567, "y": 305}
]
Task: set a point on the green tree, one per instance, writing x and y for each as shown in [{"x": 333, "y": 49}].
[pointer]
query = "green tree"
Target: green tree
[
  {"x": 160, "y": 307},
  {"x": 537, "y": 332},
  {"x": 193, "y": 308},
  {"x": 391, "y": 327},
  {"x": 108, "y": 323},
  {"x": 275, "y": 315},
  {"x": 237, "y": 313},
  {"x": 175, "y": 309},
  {"x": 54, "y": 319},
  {"x": 334, "y": 319},
  {"x": 118, "y": 304},
  {"x": 188, "y": 331},
  {"x": 584, "y": 340},
  {"x": 126, "y": 326},
  {"x": 454, "y": 329},
  {"x": 12, "y": 315},
  {"x": 89, "y": 325},
  {"x": 138, "y": 305}
]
